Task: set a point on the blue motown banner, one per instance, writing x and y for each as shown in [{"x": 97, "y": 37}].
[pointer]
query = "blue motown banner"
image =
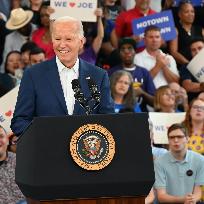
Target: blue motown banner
[
  {"x": 164, "y": 20},
  {"x": 194, "y": 2}
]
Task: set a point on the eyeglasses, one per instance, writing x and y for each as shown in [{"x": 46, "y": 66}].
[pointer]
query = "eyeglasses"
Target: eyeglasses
[
  {"x": 173, "y": 137},
  {"x": 196, "y": 107}
]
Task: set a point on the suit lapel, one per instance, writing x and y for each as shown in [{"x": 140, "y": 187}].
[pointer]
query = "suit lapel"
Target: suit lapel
[{"x": 54, "y": 80}]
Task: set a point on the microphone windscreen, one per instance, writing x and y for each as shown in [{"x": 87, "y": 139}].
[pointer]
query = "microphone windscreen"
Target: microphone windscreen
[{"x": 75, "y": 83}]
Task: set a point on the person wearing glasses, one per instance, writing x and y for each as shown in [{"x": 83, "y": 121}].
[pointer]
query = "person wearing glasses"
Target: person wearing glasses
[
  {"x": 179, "y": 173},
  {"x": 194, "y": 121}
]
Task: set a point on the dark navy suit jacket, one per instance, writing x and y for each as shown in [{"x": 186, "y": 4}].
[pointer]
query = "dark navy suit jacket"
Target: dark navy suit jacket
[{"x": 41, "y": 93}]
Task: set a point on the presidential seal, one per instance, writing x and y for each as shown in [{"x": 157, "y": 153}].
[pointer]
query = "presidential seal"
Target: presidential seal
[{"x": 92, "y": 147}]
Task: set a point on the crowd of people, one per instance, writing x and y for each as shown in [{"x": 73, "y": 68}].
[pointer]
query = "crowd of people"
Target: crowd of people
[{"x": 152, "y": 78}]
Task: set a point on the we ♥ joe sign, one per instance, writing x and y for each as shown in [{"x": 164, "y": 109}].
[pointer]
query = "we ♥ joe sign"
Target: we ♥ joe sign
[{"x": 79, "y": 9}]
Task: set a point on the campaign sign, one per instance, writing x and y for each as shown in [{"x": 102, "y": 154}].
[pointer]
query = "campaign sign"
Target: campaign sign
[
  {"x": 193, "y": 2},
  {"x": 7, "y": 106},
  {"x": 80, "y": 9},
  {"x": 161, "y": 122},
  {"x": 196, "y": 66},
  {"x": 163, "y": 20}
]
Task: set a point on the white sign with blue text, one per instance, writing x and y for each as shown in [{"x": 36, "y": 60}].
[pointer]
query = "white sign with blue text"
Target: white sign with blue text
[
  {"x": 196, "y": 66},
  {"x": 163, "y": 20},
  {"x": 80, "y": 9},
  {"x": 161, "y": 122}
]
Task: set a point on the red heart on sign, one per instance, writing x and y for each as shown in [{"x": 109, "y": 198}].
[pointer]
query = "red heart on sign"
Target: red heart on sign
[
  {"x": 72, "y": 4},
  {"x": 8, "y": 114}
]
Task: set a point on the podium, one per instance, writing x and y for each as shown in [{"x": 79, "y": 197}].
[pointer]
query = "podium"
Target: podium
[{"x": 46, "y": 171}]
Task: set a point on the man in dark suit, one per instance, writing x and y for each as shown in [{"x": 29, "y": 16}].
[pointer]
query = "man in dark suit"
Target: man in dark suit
[{"x": 46, "y": 88}]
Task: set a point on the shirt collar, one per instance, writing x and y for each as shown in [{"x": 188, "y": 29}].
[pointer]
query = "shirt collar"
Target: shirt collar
[
  {"x": 61, "y": 67},
  {"x": 174, "y": 160}
]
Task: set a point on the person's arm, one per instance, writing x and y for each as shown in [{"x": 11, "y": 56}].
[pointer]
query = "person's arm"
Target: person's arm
[
  {"x": 25, "y": 105},
  {"x": 164, "y": 197},
  {"x": 168, "y": 69},
  {"x": 147, "y": 97},
  {"x": 173, "y": 48},
  {"x": 190, "y": 86},
  {"x": 150, "y": 198},
  {"x": 97, "y": 42}
]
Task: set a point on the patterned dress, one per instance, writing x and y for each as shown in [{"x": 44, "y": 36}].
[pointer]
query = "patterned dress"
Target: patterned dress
[{"x": 196, "y": 143}]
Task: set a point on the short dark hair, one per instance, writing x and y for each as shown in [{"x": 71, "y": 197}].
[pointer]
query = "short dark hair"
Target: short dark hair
[
  {"x": 28, "y": 46},
  {"x": 36, "y": 50},
  {"x": 197, "y": 39},
  {"x": 151, "y": 28},
  {"x": 179, "y": 126},
  {"x": 127, "y": 40},
  {"x": 182, "y": 3}
]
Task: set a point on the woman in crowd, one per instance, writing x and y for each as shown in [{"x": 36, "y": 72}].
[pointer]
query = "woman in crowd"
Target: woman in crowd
[
  {"x": 194, "y": 122},
  {"x": 123, "y": 93},
  {"x": 186, "y": 31},
  {"x": 164, "y": 100},
  {"x": 14, "y": 66},
  {"x": 41, "y": 37}
]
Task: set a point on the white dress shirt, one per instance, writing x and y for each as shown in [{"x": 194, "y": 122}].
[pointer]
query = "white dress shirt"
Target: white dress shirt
[{"x": 66, "y": 77}]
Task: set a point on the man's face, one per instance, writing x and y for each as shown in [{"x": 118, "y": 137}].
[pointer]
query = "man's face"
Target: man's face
[
  {"x": 177, "y": 141},
  {"x": 127, "y": 54},
  {"x": 153, "y": 40},
  {"x": 4, "y": 141},
  {"x": 37, "y": 58},
  {"x": 143, "y": 4},
  {"x": 196, "y": 47},
  {"x": 66, "y": 42}
]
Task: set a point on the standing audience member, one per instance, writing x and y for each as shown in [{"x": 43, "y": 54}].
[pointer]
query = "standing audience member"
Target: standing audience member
[
  {"x": 19, "y": 21},
  {"x": 37, "y": 55},
  {"x": 123, "y": 93},
  {"x": 143, "y": 83},
  {"x": 161, "y": 66},
  {"x": 181, "y": 96},
  {"x": 123, "y": 24},
  {"x": 186, "y": 31},
  {"x": 53, "y": 78},
  {"x": 164, "y": 100},
  {"x": 179, "y": 173},
  {"x": 188, "y": 81},
  {"x": 9, "y": 193},
  {"x": 14, "y": 66},
  {"x": 42, "y": 37}
]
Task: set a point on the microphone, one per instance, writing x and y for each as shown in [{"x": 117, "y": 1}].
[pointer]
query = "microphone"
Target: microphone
[
  {"x": 94, "y": 90},
  {"x": 78, "y": 95}
]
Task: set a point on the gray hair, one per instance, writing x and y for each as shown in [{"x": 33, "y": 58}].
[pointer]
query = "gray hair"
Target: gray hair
[{"x": 70, "y": 19}]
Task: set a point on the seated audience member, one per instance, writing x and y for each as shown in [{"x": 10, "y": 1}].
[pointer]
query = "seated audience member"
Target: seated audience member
[
  {"x": 179, "y": 173},
  {"x": 25, "y": 52},
  {"x": 19, "y": 23},
  {"x": 186, "y": 31},
  {"x": 122, "y": 92},
  {"x": 145, "y": 87},
  {"x": 188, "y": 81},
  {"x": 37, "y": 55},
  {"x": 164, "y": 100},
  {"x": 123, "y": 24},
  {"x": 201, "y": 96},
  {"x": 181, "y": 96},
  {"x": 9, "y": 193},
  {"x": 161, "y": 66},
  {"x": 14, "y": 66},
  {"x": 93, "y": 42},
  {"x": 42, "y": 37}
]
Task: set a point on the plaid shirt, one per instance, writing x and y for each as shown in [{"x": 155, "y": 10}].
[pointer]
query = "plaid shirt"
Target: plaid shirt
[{"x": 9, "y": 191}]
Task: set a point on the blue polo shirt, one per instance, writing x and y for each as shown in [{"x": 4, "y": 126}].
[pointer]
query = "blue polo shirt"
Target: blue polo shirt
[{"x": 174, "y": 175}]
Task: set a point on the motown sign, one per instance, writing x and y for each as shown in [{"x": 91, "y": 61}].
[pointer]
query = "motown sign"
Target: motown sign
[{"x": 92, "y": 147}]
